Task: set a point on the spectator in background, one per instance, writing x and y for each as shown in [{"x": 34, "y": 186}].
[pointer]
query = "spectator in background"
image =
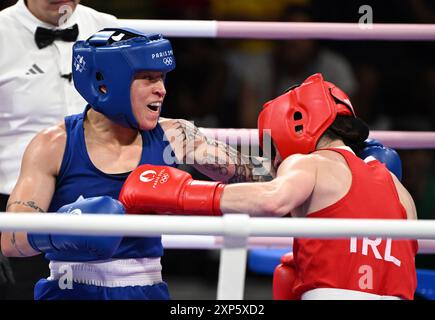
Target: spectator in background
[
  {"x": 249, "y": 61},
  {"x": 202, "y": 63},
  {"x": 36, "y": 92},
  {"x": 423, "y": 10},
  {"x": 428, "y": 92},
  {"x": 204, "y": 66},
  {"x": 296, "y": 59},
  {"x": 419, "y": 178},
  {"x": 7, "y": 3}
]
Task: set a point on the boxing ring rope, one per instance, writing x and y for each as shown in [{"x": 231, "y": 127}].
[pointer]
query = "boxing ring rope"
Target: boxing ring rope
[
  {"x": 234, "y": 228},
  {"x": 425, "y": 246},
  {"x": 392, "y": 139},
  {"x": 283, "y": 30}
]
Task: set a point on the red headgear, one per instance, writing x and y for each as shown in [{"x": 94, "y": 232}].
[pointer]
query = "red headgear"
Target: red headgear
[{"x": 298, "y": 118}]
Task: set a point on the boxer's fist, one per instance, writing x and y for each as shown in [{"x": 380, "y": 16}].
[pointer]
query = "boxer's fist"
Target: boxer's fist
[
  {"x": 80, "y": 248},
  {"x": 161, "y": 189},
  {"x": 383, "y": 154},
  {"x": 284, "y": 277}
]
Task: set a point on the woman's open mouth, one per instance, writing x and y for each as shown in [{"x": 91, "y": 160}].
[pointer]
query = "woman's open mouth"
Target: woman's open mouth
[{"x": 155, "y": 106}]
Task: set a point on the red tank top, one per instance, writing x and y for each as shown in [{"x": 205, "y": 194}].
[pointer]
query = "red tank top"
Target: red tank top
[{"x": 372, "y": 265}]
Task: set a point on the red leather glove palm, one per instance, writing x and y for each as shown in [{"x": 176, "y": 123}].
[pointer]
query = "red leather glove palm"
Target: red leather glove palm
[
  {"x": 161, "y": 189},
  {"x": 284, "y": 277}
]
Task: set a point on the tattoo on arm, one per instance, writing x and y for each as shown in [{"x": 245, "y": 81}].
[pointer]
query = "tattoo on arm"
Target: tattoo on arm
[
  {"x": 14, "y": 243},
  {"x": 30, "y": 204},
  {"x": 190, "y": 134},
  {"x": 221, "y": 158},
  {"x": 247, "y": 168}
]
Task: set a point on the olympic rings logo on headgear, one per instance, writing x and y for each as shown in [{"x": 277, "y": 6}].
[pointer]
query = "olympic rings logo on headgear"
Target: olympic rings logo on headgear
[
  {"x": 79, "y": 63},
  {"x": 167, "y": 61}
]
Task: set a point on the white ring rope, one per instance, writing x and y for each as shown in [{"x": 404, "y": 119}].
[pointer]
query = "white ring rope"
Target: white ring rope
[
  {"x": 393, "y": 139},
  {"x": 283, "y": 30},
  {"x": 232, "y": 225},
  {"x": 236, "y": 228},
  {"x": 216, "y": 242}
]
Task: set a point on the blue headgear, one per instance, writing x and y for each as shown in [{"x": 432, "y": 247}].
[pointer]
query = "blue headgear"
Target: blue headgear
[{"x": 105, "y": 64}]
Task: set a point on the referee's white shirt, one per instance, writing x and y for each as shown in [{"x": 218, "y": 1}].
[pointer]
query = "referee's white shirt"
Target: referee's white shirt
[{"x": 33, "y": 95}]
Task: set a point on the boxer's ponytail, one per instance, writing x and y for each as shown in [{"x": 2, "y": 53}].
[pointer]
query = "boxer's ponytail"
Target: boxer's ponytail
[{"x": 353, "y": 131}]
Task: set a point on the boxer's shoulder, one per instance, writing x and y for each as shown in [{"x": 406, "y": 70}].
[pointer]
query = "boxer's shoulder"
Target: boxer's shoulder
[
  {"x": 300, "y": 161},
  {"x": 54, "y": 134},
  {"x": 48, "y": 147}
]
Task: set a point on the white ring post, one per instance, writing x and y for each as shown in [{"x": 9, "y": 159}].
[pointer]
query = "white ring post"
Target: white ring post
[{"x": 232, "y": 267}]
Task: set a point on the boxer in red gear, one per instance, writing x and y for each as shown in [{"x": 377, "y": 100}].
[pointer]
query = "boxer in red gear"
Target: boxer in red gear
[
  {"x": 284, "y": 275},
  {"x": 316, "y": 135}
]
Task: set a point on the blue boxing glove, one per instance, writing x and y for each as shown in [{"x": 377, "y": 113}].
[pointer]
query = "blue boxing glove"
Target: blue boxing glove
[
  {"x": 80, "y": 248},
  {"x": 383, "y": 154}
]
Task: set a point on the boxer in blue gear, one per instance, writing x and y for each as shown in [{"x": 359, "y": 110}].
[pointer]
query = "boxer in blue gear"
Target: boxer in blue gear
[
  {"x": 80, "y": 248},
  {"x": 121, "y": 74},
  {"x": 114, "y": 70},
  {"x": 388, "y": 156}
]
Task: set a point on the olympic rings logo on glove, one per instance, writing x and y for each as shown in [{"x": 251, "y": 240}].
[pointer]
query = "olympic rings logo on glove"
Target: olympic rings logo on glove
[
  {"x": 167, "y": 61},
  {"x": 164, "y": 178},
  {"x": 150, "y": 175},
  {"x": 147, "y": 176}
]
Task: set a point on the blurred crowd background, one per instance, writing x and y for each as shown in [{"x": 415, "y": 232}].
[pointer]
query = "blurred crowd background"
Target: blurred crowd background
[{"x": 224, "y": 82}]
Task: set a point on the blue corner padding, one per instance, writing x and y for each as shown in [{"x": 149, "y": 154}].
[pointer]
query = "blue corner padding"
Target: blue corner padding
[{"x": 264, "y": 261}]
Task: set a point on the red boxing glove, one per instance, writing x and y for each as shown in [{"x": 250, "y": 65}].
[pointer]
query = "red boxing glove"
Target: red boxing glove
[
  {"x": 284, "y": 277},
  {"x": 161, "y": 189}
]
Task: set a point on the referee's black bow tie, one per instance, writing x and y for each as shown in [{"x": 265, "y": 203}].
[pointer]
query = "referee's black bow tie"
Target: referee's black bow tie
[{"x": 45, "y": 37}]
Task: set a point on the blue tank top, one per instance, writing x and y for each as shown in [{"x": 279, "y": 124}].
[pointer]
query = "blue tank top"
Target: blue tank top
[{"x": 79, "y": 177}]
